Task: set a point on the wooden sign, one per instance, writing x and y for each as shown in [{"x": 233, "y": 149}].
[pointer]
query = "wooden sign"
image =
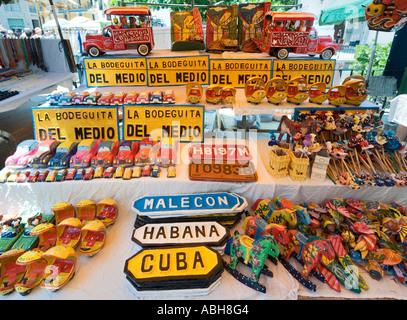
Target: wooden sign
[
  {"x": 313, "y": 70},
  {"x": 170, "y": 71},
  {"x": 189, "y": 204},
  {"x": 76, "y": 123},
  {"x": 222, "y": 172},
  {"x": 222, "y": 152},
  {"x": 236, "y": 72},
  {"x": 182, "y": 122},
  {"x": 210, "y": 233},
  {"x": 115, "y": 71},
  {"x": 179, "y": 263}
]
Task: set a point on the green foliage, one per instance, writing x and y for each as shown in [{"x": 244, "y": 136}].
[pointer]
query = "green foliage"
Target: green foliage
[{"x": 363, "y": 54}]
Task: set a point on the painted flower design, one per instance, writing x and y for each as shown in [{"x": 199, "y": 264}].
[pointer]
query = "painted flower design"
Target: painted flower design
[
  {"x": 255, "y": 261},
  {"x": 257, "y": 248}
]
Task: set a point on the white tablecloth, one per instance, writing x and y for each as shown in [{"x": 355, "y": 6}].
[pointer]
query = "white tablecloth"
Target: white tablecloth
[
  {"x": 398, "y": 110},
  {"x": 102, "y": 277}
]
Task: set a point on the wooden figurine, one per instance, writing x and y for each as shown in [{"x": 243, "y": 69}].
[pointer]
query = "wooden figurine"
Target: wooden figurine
[{"x": 251, "y": 252}]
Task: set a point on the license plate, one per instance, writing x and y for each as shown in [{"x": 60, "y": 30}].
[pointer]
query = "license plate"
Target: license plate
[
  {"x": 223, "y": 172},
  {"x": 222, "y": 152}
]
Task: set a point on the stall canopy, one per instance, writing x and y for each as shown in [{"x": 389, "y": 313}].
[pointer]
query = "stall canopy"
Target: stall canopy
[{"x": 338, "y": 11}]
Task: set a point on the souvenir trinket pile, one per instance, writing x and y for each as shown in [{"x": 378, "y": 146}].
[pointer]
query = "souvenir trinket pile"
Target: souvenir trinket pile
[{"x": 39, "y": 250}]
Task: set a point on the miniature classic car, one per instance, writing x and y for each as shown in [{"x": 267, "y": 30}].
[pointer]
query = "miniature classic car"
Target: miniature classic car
[
  {"x": 106, "y": 152},
  {"x": 79, "y": 174},
  {"x": 336, "y": 95},
  {"x": 53, "y": 98},
  {"x": 70, "y": 175},
  {"x": 88, "y": 175},
  {"x": 228, "y": 94},
  {"x": 275, "y": 90},
  {"x": 143, "y": 97},
  {"x": 169, "y": 96},
  {"x": 66, "y": 98},
  {"x": 4, "y": 176},
  {"x": 146, "y": 171},
  {"x": 93, "y": 237},
  {"x": 63, "y": 154},
  {"x": 317, "y": 93},
  {"x": 51, "y": 176},
  {"x": 136, "y": 172},
  {"x": 167, "y": 152},
  {"x": 118, "y": 98},
  {"x": 79, "y": 97},
  {"x": 212, "y": 93},
  {"x": 127, "y": 175},
  {"x": 46, "y": 150},
  {"x": 92, "y": 98},
  {"x": 105, "y": 99},
  {"x": 155, "y": 171},
  {"x": 194, "y": 92},
  {"x": 42, "y": 176},
  {"x": 13, "y": 176},
  {"x": 22, "y": 177},
  {"x": 255, "y": 90},
  {"x": 98, "y": 172},
  {"x": 33, "y": 176},
  {"x": 25, "y": 150},
  {"x": 125, "y": 155},
  {"x": 171, "y": 172},
  {"x": 297, "y": 90},
  {"x": 156, "y": 97},
  {"x": 87, "y": 149},
  {"x": 119, "y": 172},
  {"x": 130, "y": 97},
  {"x": 109, "y": 172},
  {"x": 61, "y": 175},
  {"x": 356, "y": 91},
  {"x": 145, "y": 153}
]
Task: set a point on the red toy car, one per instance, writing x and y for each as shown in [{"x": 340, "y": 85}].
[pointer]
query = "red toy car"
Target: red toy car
[
  {"x": 145, "y": 153},
  {"x": 118, "y": 98},
  {"x": 146, "y": 171},
  {"x": 169, "y": 96},
  {"x": 109, "y": 172},
  {"x": 42, "y": 176},
  {"x": 106, "y": 99},
  {"x": 130, "y": 98},
  {"x": 70, "y": 175},
  {"x": 79, "y": 98},
  {"x": 106, "y": 152},
  {"x": 87, "y": 149},
  {"x": 22, "y": 177},
  {"x": 89, "y": 172},
  {"x": 126, "y": 154},
  {"x": 286, "y": 32},
  {"x": 167, "y": 152},
  {"x": 33, "y": 176},
  {"x": 134, "y": 32}
]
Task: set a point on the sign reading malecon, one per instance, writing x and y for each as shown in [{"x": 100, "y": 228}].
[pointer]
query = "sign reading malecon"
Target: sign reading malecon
[
  {"x": 178, "y": 70},
  {"x": 313, "y": 70},
  {"x": 76, "y": 123},
  {"x": 185, "y": 123},
  {"x": 102, "y": 72},
  {"x": 235, "y": 72}
]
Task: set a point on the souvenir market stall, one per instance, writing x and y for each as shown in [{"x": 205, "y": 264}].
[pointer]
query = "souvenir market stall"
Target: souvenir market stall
[{"x": 121, "y": 196}]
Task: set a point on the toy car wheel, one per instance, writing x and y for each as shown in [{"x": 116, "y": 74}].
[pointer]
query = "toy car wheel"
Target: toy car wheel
[
  {"x": 94, "y": 52},
  {"x": 143, "y": 49},
  {"x": 327, "y": 54},
  {"x": 282, "y": 53}
]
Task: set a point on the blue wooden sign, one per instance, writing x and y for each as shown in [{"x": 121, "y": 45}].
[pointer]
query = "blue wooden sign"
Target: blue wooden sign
[{"x": 186, "y": 204}]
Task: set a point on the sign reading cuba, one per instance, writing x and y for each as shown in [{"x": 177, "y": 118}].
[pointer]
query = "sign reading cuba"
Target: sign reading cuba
[{"x": 199, "y": 204}]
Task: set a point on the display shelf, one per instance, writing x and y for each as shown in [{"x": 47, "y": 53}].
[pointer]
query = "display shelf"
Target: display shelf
[{"x": 102, "y": 277}]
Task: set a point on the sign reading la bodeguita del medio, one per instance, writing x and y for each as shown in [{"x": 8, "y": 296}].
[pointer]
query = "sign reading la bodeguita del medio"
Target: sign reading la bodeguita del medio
[{"x": 76, "y": 123}]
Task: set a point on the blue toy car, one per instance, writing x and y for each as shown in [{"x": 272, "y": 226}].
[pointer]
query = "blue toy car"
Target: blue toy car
[
  {"x": 62, "y": 155},
  {"x": 156, "y": 97},
  {"x": 53, "y": 98}
]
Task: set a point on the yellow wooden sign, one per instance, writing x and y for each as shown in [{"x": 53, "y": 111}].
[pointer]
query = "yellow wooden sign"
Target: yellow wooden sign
[
  {"x": 236, "y": 72},
  {"x": 101, "y": 72},
  {"x": 173, "y": 263},
  {"x": 76, "y": 123},
  {"x": 313, "y": 70},
  {"x": 184, "y": 123},
  {"x": 178, "y": 70}
]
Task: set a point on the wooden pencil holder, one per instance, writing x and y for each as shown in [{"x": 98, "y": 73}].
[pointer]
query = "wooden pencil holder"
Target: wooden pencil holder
[
  {"x": 298, "y": 166},
  {"x": 279, "y": 161}
]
